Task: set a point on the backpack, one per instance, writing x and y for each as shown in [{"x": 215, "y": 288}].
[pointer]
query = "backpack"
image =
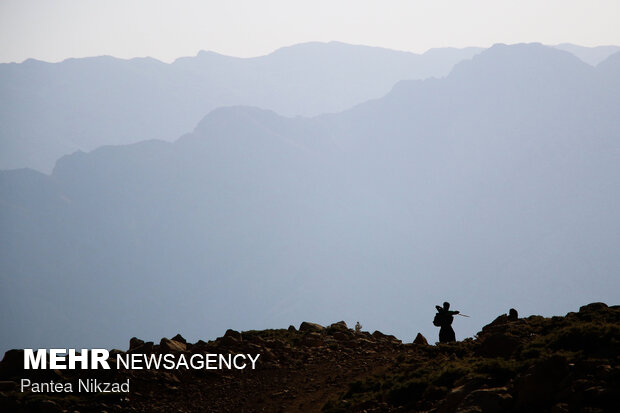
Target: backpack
[{"x": 438, "y": 321}]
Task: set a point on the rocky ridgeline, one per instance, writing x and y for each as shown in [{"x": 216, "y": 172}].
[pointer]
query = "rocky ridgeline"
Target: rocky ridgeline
[
  {"x": 534, "y": 364},
  {"x": 559, "y": 364},
  {"x": 297, "y": 367}
]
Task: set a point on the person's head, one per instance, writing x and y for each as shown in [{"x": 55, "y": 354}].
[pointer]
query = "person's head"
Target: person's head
[{"x": 446, "y": 305}]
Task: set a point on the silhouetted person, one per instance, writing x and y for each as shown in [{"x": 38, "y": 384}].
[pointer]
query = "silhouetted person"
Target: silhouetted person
[{"x": 443, "y": 319}]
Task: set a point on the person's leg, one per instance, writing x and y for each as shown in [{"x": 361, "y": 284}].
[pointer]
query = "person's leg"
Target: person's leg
[
  {"x": 444, "y": 335},
  {"x": 450, "y": 335}
]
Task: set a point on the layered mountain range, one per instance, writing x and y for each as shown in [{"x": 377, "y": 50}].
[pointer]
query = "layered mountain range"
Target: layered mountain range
[
  {"x": 48, "y": 110},
  {"x": 494, "y": 187}
]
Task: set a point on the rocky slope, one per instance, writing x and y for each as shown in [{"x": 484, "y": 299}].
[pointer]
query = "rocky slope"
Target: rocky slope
[{"x": 558, "y": 364}]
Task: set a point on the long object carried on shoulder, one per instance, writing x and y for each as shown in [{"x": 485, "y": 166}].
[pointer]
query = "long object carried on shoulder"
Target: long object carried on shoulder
[{"x": 463, "y": 315}]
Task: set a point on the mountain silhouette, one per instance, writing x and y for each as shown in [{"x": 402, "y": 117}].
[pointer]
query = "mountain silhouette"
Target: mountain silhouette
[
  {"x": 48, "y": 110},
  {"x": 590, "y": 55},
  {"x": 495, "y": 186}
]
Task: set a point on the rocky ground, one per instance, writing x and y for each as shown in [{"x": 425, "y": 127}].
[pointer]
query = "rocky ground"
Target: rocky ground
[{"x": 559, "y": 364}]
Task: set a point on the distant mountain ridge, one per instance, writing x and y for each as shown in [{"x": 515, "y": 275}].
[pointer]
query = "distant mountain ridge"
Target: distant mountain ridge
[
  {"x": 48, "y": 110},
  {"x": 497, "y": 184},
  {"x": 591, "y": 55}
]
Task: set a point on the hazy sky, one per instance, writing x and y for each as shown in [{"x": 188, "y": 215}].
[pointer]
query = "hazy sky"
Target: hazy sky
[{"x": 54, "y": 30}]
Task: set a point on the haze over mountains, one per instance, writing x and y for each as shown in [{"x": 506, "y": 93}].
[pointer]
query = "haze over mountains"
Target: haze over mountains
[
  {"x": 48, "y": 110},
  {"x": 492, "y": 188},
  {"x": 591, "y": 55}
]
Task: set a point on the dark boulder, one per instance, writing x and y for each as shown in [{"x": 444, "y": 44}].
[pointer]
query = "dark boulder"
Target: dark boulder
[
  {"x": 498, "y": 345},
  {"x": 167, "y": 345},
  {"x": 493, "y": 400},
  {"x": 420, "y": 340},
  {"x": 135, "y": 343},
  {"x": 542, "y": 382},
  {"x": 12, "y": 364},
  {"x": 340, "y": 326},
  {"x": 378, "y": 335},
  {"x": 306, "y": 326},
  {"x": 234, "y": 334}
]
